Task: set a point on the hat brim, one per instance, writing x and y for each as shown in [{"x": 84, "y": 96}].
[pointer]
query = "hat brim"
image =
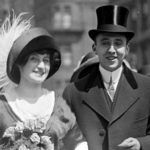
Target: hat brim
[
  {"x": 111, "y": 29},
  {"x": 33, "y": 41}
]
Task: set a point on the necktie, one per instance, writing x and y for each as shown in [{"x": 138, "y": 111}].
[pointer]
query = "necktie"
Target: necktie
[{"x": 111, "y": 89}]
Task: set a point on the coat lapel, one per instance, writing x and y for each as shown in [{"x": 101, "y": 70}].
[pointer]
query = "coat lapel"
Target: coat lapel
[
  {"x": 96, "y": 99},
  {"x": 127, "y": 96}
]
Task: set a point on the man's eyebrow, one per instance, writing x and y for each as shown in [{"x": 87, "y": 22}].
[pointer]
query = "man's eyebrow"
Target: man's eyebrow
[
  {"x": 118, "y": 39},
  {"x": 104, "y": 39}
]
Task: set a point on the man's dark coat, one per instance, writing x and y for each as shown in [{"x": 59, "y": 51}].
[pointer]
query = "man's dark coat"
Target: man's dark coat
[{"x": 103, "y": 123}]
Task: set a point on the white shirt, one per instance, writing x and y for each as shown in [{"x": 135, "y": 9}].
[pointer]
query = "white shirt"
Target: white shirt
[{"x": 106, "y": 75}]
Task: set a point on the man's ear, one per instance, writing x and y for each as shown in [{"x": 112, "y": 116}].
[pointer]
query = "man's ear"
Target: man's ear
[
  {"x": 127, "y": 49},
  {"x": 94, "y": 48}
]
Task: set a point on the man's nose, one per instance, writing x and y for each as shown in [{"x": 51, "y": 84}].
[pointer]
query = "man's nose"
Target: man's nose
[{"x": 111, "y": 49}]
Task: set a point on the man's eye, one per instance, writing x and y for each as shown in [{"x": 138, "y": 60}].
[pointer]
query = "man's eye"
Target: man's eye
[
  {"x": 118, "y": 43},
  {"x": 105, "y": 43}
]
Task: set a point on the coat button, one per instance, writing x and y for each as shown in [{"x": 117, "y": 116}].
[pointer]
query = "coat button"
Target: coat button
[{"x": 102, "y": 132}]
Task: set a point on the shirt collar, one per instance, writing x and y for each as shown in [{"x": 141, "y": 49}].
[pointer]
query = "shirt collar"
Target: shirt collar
[{"x": 107, "y": 74}]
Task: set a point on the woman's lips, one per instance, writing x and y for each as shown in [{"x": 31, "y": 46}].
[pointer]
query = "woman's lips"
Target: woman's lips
[{"x": 39, "y": 72}]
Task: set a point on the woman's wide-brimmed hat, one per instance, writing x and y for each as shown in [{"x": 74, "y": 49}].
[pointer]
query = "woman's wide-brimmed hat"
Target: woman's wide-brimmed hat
[
  {"x": 112, "y": 19},
  {"x": 32, "y": 40}
]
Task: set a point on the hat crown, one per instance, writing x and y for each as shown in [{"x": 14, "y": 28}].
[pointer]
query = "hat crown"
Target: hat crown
[
  {"x": 112, "y": 14},
  {"x": 112, "y": 19}
]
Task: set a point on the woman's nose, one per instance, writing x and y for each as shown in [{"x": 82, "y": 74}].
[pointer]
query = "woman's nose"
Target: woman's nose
[{"x": 41, "y": 64}]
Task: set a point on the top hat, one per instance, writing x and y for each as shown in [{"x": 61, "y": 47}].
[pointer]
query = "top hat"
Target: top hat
[
  {"x": 112, "y": 19},
  {"x": 30, "y": 41}
]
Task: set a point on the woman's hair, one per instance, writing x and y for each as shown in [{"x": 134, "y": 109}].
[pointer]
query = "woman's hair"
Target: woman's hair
[{"x": 24, "y": 60}]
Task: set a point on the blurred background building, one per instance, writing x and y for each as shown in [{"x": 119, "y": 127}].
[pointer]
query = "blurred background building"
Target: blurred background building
[{"x": 70, "y": 20}]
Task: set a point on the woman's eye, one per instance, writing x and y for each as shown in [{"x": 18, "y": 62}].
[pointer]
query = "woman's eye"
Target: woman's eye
[
  {"x": 46, "y": 60},
  {"x": 33, "y": 58}
]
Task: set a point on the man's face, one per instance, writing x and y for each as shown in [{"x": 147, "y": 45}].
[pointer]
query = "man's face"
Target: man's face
[{"x": 111, "y": 49}]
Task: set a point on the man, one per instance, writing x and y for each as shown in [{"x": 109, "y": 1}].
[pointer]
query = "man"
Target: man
[{"x": 110, "y": 101}]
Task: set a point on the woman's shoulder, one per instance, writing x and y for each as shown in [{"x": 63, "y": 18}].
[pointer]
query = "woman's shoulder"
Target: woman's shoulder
[
  {"x": 62, "y": 119},
  {"x": 2, "y": 99},
  {"x": 3, "y": 104},
  {"x": 62, "y": 109}
]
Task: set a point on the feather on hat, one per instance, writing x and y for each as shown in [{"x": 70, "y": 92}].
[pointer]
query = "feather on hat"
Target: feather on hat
[{"x": 12, "y": 27}]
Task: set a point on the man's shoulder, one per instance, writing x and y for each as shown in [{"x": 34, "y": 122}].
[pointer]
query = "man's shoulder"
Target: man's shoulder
[
  {"x": 141, "y": 76},
  {"x": 143, "y": 79}
]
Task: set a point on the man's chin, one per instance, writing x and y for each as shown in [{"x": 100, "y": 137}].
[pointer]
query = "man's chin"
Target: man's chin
[{"x": 112, "y": 68}]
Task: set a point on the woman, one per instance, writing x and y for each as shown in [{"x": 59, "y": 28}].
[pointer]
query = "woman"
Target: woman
[{"x": 31, "y": 117}]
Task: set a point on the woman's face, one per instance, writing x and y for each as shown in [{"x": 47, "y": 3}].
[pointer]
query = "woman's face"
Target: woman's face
[{"x": 36, "y": 68}]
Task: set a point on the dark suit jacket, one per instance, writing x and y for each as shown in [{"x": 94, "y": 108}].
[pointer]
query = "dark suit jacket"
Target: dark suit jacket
[{"x": 104, "y": 129}]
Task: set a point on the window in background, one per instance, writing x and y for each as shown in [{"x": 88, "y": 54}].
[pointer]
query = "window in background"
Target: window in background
[
  {"x": 57, "y": 17},
  {"x": 66, "y": 53},
  {"x": 62, "y": 18},
  {"x": 66, "y": 22}
]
